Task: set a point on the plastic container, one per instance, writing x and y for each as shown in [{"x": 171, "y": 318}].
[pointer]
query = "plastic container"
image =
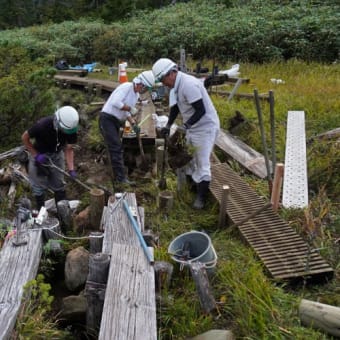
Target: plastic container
[{"x": 193, "y": 246}]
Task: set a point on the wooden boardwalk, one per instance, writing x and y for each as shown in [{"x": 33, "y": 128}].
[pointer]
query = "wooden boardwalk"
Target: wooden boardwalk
[
  {"x": 18, "y": 265},
  {"x": 129, "y": 311},
  {"x": 284, "y": 253},
  {"x": 86, "y": 83}
]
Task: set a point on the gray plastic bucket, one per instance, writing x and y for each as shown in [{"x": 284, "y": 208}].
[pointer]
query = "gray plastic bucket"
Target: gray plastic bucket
[{"x": 200, "y": 249}]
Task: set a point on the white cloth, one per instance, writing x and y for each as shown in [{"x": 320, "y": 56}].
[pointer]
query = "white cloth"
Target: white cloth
[
  {"x": 187, "y": 90},
  {"x": 124, "y": 94},
  {"x": 202, "y": 135}
]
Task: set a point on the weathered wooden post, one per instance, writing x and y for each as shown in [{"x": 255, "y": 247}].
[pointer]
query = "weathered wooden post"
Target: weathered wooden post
[
  {"x": 223, "y": 206},
  {"x": 200, "y": 277},
  {"x": 159, "y": 159},
  {"x": 277, "y": 183},
  {"x": 95, "y": 289},
  {"x": 320, "y": 316},
  {"x": 96, "y": 242},
  {"x": 97, "y": 202}
]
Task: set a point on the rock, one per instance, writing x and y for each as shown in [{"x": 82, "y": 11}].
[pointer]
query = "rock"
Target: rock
[
  {"x": 74, "y": 308},
  {"x": 215, "y": 334},
  {"x": 76, "y": 268}
]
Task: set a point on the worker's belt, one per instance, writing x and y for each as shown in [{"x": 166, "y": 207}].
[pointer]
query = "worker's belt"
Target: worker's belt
[{"x": 114, "y": 119}]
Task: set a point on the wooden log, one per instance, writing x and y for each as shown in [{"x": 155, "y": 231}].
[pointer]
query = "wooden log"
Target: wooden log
[
  {"x": 95, "y": 289},
  {"x": 201, "y": 280},
  {"x": 96, "y": 242},
  {"x": 11, "y": 153},
  {"x": 320, "y": 316},
  {"x": 224, "y": 206},
  {"x": 97, "y": 202},
  {"x": 331, "y": 134},
  {"x": 277, "y": 184}
]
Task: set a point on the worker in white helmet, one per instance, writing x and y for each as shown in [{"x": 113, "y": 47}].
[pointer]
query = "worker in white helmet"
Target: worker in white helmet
[
  {"x": 49, "y": 141},
  {"x": 120, "y": 107},
  {"x": 201, "y": 124}
]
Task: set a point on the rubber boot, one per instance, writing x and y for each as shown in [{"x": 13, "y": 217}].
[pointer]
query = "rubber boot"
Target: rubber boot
[
  {"x": 40, "y": 201},
  {"x": 202, "y": 192},
  {"x": 59, "y": 196},
  {"x": 190, "y": 183}
]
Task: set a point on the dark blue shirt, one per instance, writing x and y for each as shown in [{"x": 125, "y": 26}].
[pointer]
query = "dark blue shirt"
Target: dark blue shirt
[{"x": 48, "y": 139}]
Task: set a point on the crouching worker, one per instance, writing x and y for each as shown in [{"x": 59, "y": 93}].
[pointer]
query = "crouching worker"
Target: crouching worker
[
  {"x": 49, "y": 141},
  {"x": 201, "y": 124}
]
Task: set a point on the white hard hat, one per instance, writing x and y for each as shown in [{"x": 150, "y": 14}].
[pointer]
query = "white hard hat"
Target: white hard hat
[
  {"x": 161, "y": 67},
  {"x": 147, "y": 78},
  {"x": 67, "y": 119}
]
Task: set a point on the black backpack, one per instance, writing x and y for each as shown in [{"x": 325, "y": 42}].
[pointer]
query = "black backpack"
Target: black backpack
[{"x": 62, "y": 65}]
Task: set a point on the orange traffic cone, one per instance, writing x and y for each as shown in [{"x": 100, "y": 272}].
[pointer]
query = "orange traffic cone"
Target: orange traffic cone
[{"x": 122, "y": 73}]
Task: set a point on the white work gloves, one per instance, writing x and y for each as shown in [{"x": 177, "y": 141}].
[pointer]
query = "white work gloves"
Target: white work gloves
[{"x": 133, "y": 111}]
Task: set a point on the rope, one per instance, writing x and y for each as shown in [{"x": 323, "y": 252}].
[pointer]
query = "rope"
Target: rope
[{"x": 68, "y": 237}]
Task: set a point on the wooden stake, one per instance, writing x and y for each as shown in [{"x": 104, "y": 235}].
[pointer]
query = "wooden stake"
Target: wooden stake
[
  {"x": 277, "y": 184},
  {"x": 200, "y": 277},
  {"x": 223, "y": 206},
  {"x": 97, "y": 202}
]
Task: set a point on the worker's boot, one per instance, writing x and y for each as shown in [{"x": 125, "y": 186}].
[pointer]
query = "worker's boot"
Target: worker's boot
[
  {"x": 202, "y": 192},
  {"x": 190, "y": 183},
  {"x": 40, "y": 201}
]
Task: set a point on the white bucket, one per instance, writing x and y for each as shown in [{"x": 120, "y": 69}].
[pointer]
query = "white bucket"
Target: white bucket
[{"x": 199, "y": 246}]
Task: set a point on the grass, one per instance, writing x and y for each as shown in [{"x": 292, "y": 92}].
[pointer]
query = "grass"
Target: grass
[{"x": 249, "y": 303}]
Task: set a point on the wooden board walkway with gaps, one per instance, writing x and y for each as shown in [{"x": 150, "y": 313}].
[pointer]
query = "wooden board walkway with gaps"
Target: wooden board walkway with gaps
[
  {"x": 284, "y": 253},
  {"x": 129, "y": 311}
]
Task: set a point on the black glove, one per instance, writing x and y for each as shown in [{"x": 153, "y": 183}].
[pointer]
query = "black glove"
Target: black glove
[
  {"x": 136, "y": 128},
  {"x": 165, "y": 131}
]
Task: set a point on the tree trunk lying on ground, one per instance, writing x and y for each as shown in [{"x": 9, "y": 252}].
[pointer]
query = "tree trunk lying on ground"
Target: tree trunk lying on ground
[{"x": 320, "y": 316}]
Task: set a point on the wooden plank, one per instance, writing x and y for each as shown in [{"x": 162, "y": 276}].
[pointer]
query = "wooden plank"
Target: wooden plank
[
  {"x": 117, "y": 225},
  {"x": 242, "y": 153},
  {"x": 106, "y": 85},
  {"x": 73, "y": 72},
  {"x": 284, "y": 253},
  {"x": 129, "y": 311},
  {"x": 18, "y": 265},
  {"x": 295, "y": 186}
]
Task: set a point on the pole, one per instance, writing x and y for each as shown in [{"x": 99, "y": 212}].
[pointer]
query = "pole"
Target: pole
[
  {"x": 139, "y": 234},
  {"x": 263, "y": 137},
  {"x": 272, "y": 127}
]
